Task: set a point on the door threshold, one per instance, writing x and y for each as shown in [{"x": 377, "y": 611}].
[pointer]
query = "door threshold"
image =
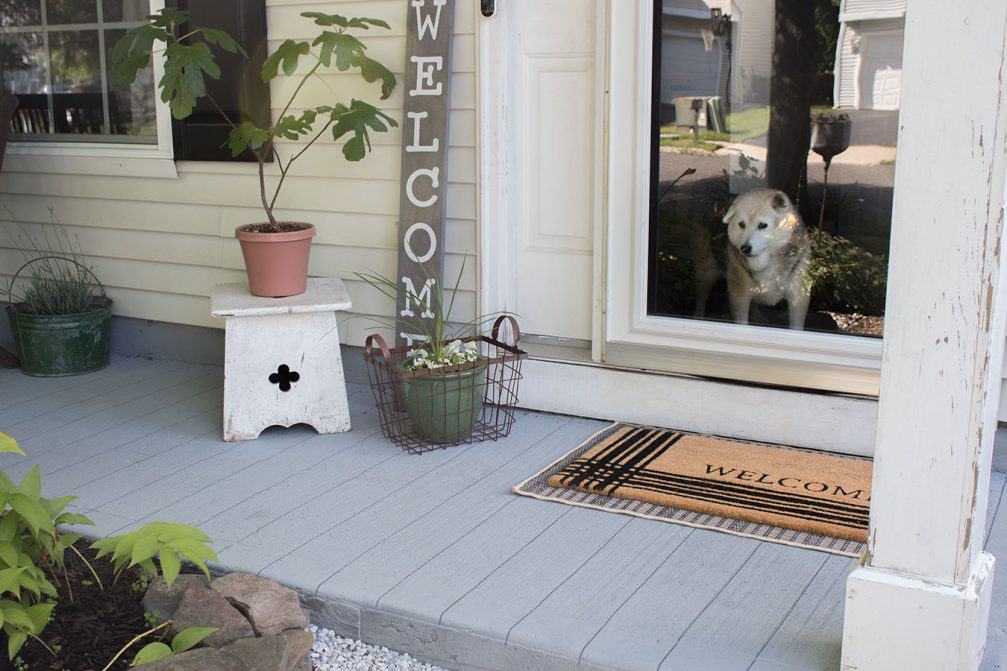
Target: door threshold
[{"x": 560, "y": 377}]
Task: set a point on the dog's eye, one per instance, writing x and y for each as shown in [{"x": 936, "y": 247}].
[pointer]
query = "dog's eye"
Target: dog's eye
[
  {"x": 763, "y": 225},
  {"x": 741, "y": 224}
]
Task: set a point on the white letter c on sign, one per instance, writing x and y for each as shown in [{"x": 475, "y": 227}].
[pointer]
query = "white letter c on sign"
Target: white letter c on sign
[
  {"x": 432, "y": 173},
  {"x": 408, "y": 245}
]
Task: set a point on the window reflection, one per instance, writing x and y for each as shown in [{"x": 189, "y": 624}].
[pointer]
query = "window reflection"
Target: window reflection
[
  {"x": 774, "y": 139},
  {"x": 53, "y": 61}
]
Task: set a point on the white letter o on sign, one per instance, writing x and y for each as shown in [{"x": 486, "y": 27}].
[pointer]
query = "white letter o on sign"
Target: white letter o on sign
[{"x": 407, "y": 244}]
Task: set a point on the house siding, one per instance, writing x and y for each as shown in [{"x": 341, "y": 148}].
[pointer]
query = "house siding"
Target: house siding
[{"x": 160, "y": 244}]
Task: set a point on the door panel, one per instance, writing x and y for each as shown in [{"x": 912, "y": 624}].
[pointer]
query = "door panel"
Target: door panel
[{"x": 554, "y": 94}]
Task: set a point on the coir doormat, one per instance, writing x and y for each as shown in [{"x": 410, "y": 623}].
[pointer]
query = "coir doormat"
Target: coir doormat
[{"x": 780, "y": 494}]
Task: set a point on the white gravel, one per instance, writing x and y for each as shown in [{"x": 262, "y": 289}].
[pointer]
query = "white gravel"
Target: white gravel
[{"x": 335, "y": 653}]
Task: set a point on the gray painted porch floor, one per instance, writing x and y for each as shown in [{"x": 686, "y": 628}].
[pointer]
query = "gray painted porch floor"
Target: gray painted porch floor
[{"x": 432, "y": 555}]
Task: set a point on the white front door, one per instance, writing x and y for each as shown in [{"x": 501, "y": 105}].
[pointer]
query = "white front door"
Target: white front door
[{"x": 550, "y": 212}]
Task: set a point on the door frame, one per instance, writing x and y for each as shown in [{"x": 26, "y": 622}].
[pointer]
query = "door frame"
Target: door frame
[{"x": 623, "y": 335}]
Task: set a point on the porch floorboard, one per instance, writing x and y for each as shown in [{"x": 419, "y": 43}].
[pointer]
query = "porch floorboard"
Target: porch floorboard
[{"x": 432, "y": 555}]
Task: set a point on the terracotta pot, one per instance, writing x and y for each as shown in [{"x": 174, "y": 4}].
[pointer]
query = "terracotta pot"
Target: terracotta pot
[{"x": 277, "y": 263}]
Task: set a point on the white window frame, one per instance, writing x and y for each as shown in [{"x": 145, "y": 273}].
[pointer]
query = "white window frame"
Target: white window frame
[
  {"x": 104, "y": 158},
  {"x": 632, "y": 336}
]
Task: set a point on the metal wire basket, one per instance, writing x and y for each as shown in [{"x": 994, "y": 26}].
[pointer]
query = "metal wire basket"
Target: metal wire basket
[{"x": 468, "y": 403}]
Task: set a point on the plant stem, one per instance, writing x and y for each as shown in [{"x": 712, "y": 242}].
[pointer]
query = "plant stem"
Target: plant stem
[
  {"x": 135, "y": 639},
  {"x": 41, "y": 642},
  {"x": 285, "y": 170},
  {"x": 89, "y": 567}
]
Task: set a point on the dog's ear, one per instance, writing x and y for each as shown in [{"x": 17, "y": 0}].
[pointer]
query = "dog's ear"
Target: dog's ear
[
  {"x": 780, "y": 202},
  {"x": 729, "y": 215}
]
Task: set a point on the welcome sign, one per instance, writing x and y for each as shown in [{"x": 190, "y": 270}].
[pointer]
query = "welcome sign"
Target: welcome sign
[{"x": 424, "y": 163}]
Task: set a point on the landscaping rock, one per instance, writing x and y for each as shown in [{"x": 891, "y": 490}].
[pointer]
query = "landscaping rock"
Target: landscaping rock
[
  {"x": 270, "y": 607},
  {"x": 200, "y": 659},
  {"x": 272, "y": 653},
  {"x": 160, "y": 600},
  {"x": 204, "y": 607}
]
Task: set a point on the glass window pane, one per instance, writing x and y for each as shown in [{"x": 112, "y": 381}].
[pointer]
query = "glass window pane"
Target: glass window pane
[
  {"x": 774, "y": 161},
  {"x": 71, "y": 11},
  {"x": 125, "y": 10},
  {"x": 20, "y": 12},
  {"x": 131, "y": 108},
  {"x": 76, "y": 82},
  {"x": 22, "y": 70}
]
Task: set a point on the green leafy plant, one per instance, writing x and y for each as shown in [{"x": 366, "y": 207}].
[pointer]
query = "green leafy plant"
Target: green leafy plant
[
  {"x": 169, "y": 543},
  {"x": 186, "y": 639},
  {"x": 846, "y": 277},
  {"x": 31, "y": 552},
  {"x": 189, "y": 60}
]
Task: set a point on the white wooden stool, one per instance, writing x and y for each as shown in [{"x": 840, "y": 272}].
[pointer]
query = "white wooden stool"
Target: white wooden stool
[{"x": 282, "y": 364}]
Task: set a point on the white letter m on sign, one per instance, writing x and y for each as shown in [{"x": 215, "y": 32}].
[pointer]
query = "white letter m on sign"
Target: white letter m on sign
[
  {"x": 424, "y": 23},
  {"x": 422, "y": 299}
]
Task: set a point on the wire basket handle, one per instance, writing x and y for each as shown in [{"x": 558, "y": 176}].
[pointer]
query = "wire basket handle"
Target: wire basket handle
[
  {"x": 369, "y": 347},
  {"x": 515, "y": 331},
  {"x": 10, "y": 288}
]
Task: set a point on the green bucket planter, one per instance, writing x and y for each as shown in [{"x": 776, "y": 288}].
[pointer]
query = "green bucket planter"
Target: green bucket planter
[
  {"x": 61, "y": 345},
  {"x": 444, "y": 407}
]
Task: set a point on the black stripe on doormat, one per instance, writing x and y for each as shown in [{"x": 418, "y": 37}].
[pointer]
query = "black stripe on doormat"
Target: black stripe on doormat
[
  {"x": 613, "y": 452},
  {"x": 762, "y": 507},
  {"x": 797, "y": 510},
  {"x": 729, "y": 499},
  {"x": 741, "y": 489}
]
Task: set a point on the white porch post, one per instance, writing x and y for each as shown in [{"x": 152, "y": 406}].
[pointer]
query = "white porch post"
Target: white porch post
[{"x": 921, "y": 598}]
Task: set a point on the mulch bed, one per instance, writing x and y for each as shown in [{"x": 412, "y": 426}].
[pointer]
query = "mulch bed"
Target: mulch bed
[{"x": 88, "y": 631}]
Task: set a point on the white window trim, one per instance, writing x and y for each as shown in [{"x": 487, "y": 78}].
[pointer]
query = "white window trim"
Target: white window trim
[
  {"x": 104, "y": 158},
  {"x": 627, "y": 325}
]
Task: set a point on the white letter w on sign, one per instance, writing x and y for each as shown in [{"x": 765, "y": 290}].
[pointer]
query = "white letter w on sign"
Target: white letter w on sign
[
  {"x": 422, "y": 299},
  {"x": 424, "y": 23}
]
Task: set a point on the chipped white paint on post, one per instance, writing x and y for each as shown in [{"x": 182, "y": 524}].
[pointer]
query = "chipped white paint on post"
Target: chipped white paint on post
[
  {"x": 921, "y": 599},
  {"x": 266, "y": 334}
]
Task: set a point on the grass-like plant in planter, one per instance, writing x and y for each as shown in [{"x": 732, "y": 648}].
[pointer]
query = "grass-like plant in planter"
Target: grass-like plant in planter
[
  {"x": 276, "y": 252},
  {"x": 442, "y": 383},
  {"x": 60, "y": 321}
]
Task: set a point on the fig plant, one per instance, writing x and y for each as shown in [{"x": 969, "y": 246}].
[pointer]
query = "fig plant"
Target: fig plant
[{"x": 189, "y": 60}]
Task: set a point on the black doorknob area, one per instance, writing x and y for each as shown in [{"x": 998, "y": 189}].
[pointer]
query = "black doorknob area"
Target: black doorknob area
[{"x": 489, "y": 8}]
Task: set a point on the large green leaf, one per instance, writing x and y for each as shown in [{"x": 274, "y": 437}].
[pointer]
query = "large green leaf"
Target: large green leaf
[
  {"x": 144, "y": 549},
  {"x": 288, "y": 53},
  {"x": 151, "y": 653},
  {"x": 40, "y": 614},
  {"x": 185, "y": 69},
  {"x": 33, "y": 513},
  {"x": 31, "y": 483},
  {"x": 371, "y": 70},
  {"x": 190, "y": 638},
  {"x": 15, "y": 640},
  {"x": 328, "y": 20},
  {"x": 356, "y": 119},
  {"x": 8, "y": 554},
  {"x": 345, "y": 47},
  {"x": 9, "y": 580},
  {"x": 9, "y": 446},
  {"x": 170, "y": 565},
  {"x": 132, "y": 53},
  {"x": 223, "y": 40},
  {"x": 246, "y": 135}
]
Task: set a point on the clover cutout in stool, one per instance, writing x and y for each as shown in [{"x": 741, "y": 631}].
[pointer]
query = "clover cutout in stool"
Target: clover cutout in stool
[{"x": 284, "y": 377}]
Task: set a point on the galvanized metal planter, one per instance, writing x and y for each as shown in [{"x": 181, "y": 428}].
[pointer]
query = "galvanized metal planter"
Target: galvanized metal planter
[
  {"x": 61, "y": 345},
  {"x": 468, "y": 403}
]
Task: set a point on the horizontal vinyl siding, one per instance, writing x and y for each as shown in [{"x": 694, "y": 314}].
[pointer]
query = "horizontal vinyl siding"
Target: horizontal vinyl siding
[
  {"x": 160, "y": 244},
  {"x": 856, "y": 10}
]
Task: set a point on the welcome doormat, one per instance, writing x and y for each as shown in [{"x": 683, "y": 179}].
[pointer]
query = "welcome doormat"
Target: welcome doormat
[{"x": 785, "y": 495}]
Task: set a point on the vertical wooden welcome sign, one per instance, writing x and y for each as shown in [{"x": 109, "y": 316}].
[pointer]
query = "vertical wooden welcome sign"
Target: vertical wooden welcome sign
[{"x": 424, "y": 163}]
